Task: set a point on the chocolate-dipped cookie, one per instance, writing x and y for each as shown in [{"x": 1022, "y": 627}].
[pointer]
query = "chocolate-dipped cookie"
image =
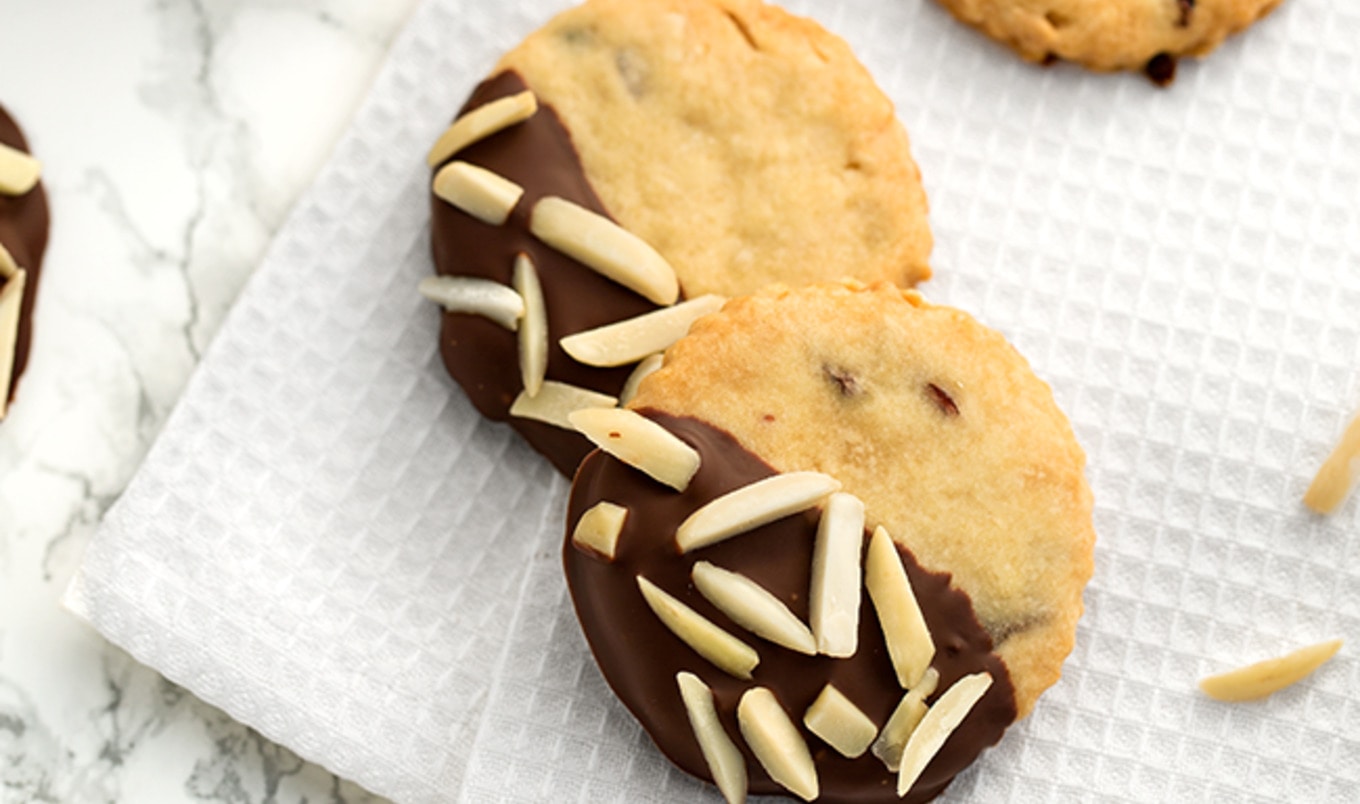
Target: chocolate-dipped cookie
[
  {"x": 862, "y": 505},
  {"x": 711, "y": 146},
  {"x": 23, "y": 240}
]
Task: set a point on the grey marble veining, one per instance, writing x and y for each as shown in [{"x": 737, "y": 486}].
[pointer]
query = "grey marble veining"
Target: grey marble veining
[{"x": 175, "y": 136}]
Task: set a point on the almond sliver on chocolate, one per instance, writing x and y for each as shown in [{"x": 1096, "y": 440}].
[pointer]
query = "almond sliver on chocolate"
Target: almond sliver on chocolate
[{"x": 481, "y": 123}]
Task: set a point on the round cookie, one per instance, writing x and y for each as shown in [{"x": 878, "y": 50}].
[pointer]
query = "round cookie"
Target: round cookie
[
  {"x": 23, "y": 233},
  {"x": 745, "y": 145},
  {"x": 952, "y": 444},
  {"x": 1144, "y": 35},
  {"x": 935, "y": 421}
]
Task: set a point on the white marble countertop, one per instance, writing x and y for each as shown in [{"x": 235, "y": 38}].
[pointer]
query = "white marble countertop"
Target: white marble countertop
[
  {"x": 1183, "y": 278},
  {"x": 176, "y": 135}
]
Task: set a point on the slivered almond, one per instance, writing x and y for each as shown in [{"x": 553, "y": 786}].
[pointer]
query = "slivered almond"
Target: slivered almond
[
  {"x": 556, "y": 401},
  {"x": 903, "y": 721},
  {"x": 641, "y": 443},
  {"x": 725, "y": 651},
  {"x": 837, "y": 720},
  {"x": 481, "y": 123},
  {"x": 533, "y": 329},
  {"x": 643, "y": 370},
  {"x": 599, "y": 527},
  {"x": 1338, "y": 473},
  {"x": 945, "y": 716},
  {"x": 11, "y": 300},
  {"x": 833, "y": 602},
  {"x": 634, "y": 338},
  {"x": 19, "y": 172},
  {"x": 775, "y": 741},
  {"x": 1270, "y": 676},
  {"x": 466, "y": 294},
  {"x": 929, "y": 683},
  {"x": 484, "y": 195},
  {"x": 8, "y": 267},
  {"x": 721, "y": 754},
  {"x": 752, "y": 607},
  {"x": 751, "y": 506},
  {"x": 606, "y": 247},
  {"x": 910, "y": 645}
]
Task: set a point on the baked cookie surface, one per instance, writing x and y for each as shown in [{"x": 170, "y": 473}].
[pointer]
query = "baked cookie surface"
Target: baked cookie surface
[
  {"x": 954, "y": 448},
  {"x": 1112, "y": 34},
  {"x": 743, "y": 144},
  {"x": 23, "y": 234},
  {"x": 931, "y": 419}
]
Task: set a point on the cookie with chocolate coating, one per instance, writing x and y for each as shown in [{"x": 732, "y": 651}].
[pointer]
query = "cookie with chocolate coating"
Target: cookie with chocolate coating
[
  {"x": 23, "y": 239},
  {"x": 954, "y": 447},
  {"x": 742, "y": 144},
  {"x": 1146, "y": 35}
]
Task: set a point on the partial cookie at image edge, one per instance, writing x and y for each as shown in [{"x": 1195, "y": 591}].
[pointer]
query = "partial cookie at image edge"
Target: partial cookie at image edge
[{"x": 1146, "y": 35}]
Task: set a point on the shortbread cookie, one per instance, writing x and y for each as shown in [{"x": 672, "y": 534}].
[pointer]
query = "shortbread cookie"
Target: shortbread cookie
[
  {"x": 954, "y": 448},
  {"x": 23, "y": 240},
  {"x": 742, "y": 144},
  {"x": 1144, "y": 35}
]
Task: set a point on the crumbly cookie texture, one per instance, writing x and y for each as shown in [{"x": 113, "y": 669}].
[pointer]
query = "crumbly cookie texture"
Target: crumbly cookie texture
[
  {"x": 1111, "y": 34},
  {"x": 931, "y": 419},
  {"x": 746, "y": 145}
]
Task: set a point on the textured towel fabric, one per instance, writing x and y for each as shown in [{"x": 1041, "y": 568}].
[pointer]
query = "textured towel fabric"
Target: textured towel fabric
[{"x": 330, "y": 545}]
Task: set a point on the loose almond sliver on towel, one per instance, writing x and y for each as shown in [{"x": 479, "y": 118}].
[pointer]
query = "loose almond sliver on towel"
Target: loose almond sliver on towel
[
  {"x": 1272, "y": 675},
  {"x": 1338, "y": 474}
]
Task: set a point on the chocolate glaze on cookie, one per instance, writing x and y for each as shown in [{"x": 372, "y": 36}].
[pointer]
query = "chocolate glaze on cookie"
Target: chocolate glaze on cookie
[
  {"x": 23, "y": 231},
  {"x": 482, "y": 356},
  {"x": 640, "y": 657}
]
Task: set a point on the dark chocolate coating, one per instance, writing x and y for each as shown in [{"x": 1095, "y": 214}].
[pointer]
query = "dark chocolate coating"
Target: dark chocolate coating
[
  {"x": 482, "y": 356},
  {"x": 23, "y": 231},
  {"x": 639, "y": 656}
]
